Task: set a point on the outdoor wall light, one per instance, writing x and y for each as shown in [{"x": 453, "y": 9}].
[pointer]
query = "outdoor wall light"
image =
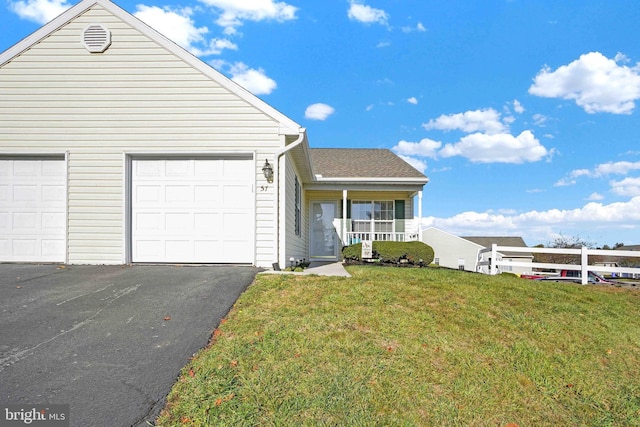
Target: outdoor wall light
[{"x": 267, "y": 170}]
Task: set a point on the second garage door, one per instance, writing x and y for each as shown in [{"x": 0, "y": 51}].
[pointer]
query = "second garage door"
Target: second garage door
[
  {"x": 193, "y": 210},
  {"x": 32, "y": 210}
]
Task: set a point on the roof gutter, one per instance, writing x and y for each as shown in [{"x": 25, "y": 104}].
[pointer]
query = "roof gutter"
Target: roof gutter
[{"x": 276, "y": 197}]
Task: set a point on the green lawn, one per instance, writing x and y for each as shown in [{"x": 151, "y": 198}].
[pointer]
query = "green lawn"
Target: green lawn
[{"x": 416, "y": 347}]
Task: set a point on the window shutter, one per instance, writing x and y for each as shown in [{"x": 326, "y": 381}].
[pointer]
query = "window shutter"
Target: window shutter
[
  {"x": 399, "y": 216},
  {"x": 348, "y": 209}
]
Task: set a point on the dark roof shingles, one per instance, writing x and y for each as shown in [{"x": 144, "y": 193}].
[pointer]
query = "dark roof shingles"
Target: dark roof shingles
[
  {"x": 513, "y": 241},
  {"x": 360, "y": 163}
]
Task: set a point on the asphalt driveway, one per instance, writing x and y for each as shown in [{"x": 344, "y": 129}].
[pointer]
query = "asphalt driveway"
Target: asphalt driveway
[{"x": 107, "y": 340}]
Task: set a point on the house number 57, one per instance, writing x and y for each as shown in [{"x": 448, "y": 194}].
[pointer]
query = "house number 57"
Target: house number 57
[{"x": 264, "y": 188}]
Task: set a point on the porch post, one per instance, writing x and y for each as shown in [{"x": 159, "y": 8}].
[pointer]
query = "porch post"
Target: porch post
[
  {"x": 420, "y": 215},
  {"x": 344, "y": 217}
]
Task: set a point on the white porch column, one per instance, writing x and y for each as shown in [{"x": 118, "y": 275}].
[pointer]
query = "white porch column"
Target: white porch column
[
  {"x": 344, "y": 217},
  {"x": 420, "y": 215}
]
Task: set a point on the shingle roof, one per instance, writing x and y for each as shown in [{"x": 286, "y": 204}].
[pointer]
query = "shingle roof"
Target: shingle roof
[
  {"x": 360, "y": 163},
  {"x": 500, "y": 241}
]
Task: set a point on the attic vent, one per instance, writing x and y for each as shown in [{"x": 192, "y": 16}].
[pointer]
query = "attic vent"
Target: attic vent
[{"x": 96, "y": 38}]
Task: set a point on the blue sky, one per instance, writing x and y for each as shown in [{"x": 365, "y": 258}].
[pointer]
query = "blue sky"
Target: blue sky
[{"x": 523, "y": 114}]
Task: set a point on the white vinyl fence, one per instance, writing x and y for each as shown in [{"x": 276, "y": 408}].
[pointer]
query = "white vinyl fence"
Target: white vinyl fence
[{"x": 490, "y": 260}]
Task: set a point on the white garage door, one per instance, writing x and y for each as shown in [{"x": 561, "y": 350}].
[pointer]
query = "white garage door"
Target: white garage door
[
  {"x": 193, "y": 210},
  {"x": 32, "y": 210}
]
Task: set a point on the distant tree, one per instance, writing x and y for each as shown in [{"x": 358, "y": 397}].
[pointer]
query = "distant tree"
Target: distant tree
[
  {"x": 618, "y": 245},
  {"x": 573, "y": 242}
]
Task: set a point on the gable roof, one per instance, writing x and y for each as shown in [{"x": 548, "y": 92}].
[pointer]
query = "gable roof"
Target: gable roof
[
  {"x": 362, "y": 163},
  {"x": 487, "y": 241},
  {"x": 629, "y": 248},
  {"x": 287, "y": 126}
]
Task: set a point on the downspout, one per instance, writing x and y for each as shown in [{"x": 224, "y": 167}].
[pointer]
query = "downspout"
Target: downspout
[{"x": 276, "y": 196}]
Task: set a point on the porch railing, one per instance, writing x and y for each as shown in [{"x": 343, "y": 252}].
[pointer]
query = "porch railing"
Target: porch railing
[{"x": 357, "y": 237}]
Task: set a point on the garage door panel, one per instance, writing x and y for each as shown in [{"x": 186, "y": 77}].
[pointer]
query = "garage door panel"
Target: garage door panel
[
  {"x": 25, "y": 194},
  {"x": 205, "y": 250},
  {"x": 148, "y": 221},
  {"x": 179, "y": 223},
  {"x": 236, "y": 196},
  {"x": 197, "y": 209},
  {"x": 208, "y": 168},
  {"x": 27, "y": 168},
  {"x": 24, "y": 247},
  {"x": 178, "y": 195},
  {"x": 179, "y": 250},
  {"x": 148, "y": 194},
  {"x": 52, "y": 221},
  {"x": 207, "y": 195},
  {"x": 50, "y": 248},
  {"x": 53, "y": 194},
  {"x": 178, "y": 168},
  {"x": 25, "y": 222},
  {"x": 208, "y": 224}
]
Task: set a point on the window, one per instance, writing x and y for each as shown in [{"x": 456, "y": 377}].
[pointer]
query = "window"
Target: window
[
  {"x": 298, "y": 227},
  {"x": 376, "y": 216}
]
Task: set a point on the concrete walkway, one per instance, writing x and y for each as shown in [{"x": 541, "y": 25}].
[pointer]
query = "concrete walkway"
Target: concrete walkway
[{"x": 319, "y": 268}]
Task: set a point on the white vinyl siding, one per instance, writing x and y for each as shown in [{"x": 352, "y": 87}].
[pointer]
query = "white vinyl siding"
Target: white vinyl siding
[
  {"x": 136, "y": 97},
  {"x": 296, "y": 246},
  {"x": 452, "y": 251}
]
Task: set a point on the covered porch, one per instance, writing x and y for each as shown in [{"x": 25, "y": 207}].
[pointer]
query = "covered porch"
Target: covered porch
[
  {"x": 358, "y": 195},
  {"x": 345, "y": 217}
]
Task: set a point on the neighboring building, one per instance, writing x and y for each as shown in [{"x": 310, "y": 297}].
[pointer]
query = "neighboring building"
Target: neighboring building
[
  {"x": 462, "y": 252},
  {"x": 620, "y": 261},
  {"x": 117, "y": 146},
  {"x": 506, "y": 256}
]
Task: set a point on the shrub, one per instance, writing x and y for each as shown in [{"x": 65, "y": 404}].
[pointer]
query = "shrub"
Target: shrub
[{"x": 392, "y": 252}]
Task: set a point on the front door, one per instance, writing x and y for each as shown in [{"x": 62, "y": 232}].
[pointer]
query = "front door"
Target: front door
[{"x": 324, "y": 239}]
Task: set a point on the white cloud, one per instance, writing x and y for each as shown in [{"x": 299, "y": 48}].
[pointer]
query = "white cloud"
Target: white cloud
[
  {"x": 176, "y": 25},
  {"x": 517, "y": 107},
  {"x": 420, "y": 165},
  {"x": 40, "y": 11},
  {"x": 615, "y": 168},
  {"x": 234, "y": 12},
  {"x": 601, "y": 170},
  {"x": 425, "y": 148},
  {"x": 497, "y": 148},
  {"x": 595, "y": 82},
  {"x": 626, "y": 187},
  {"x": 419, "y": 28},
  {"x": 413, "y": 100},
  {"x": 540, "y": 120},
  {"x": 487, "y": 120},
  {"x": 565, "y": 182},
  {"x": 366, "y": 14},
  {"x": 595, "y": 197},
  {"x": 542, "y": 226},
  {"x": 216, "y": 46},
  {"x": 255, "y": 81},
  {"x": 318, "y": 111}
]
